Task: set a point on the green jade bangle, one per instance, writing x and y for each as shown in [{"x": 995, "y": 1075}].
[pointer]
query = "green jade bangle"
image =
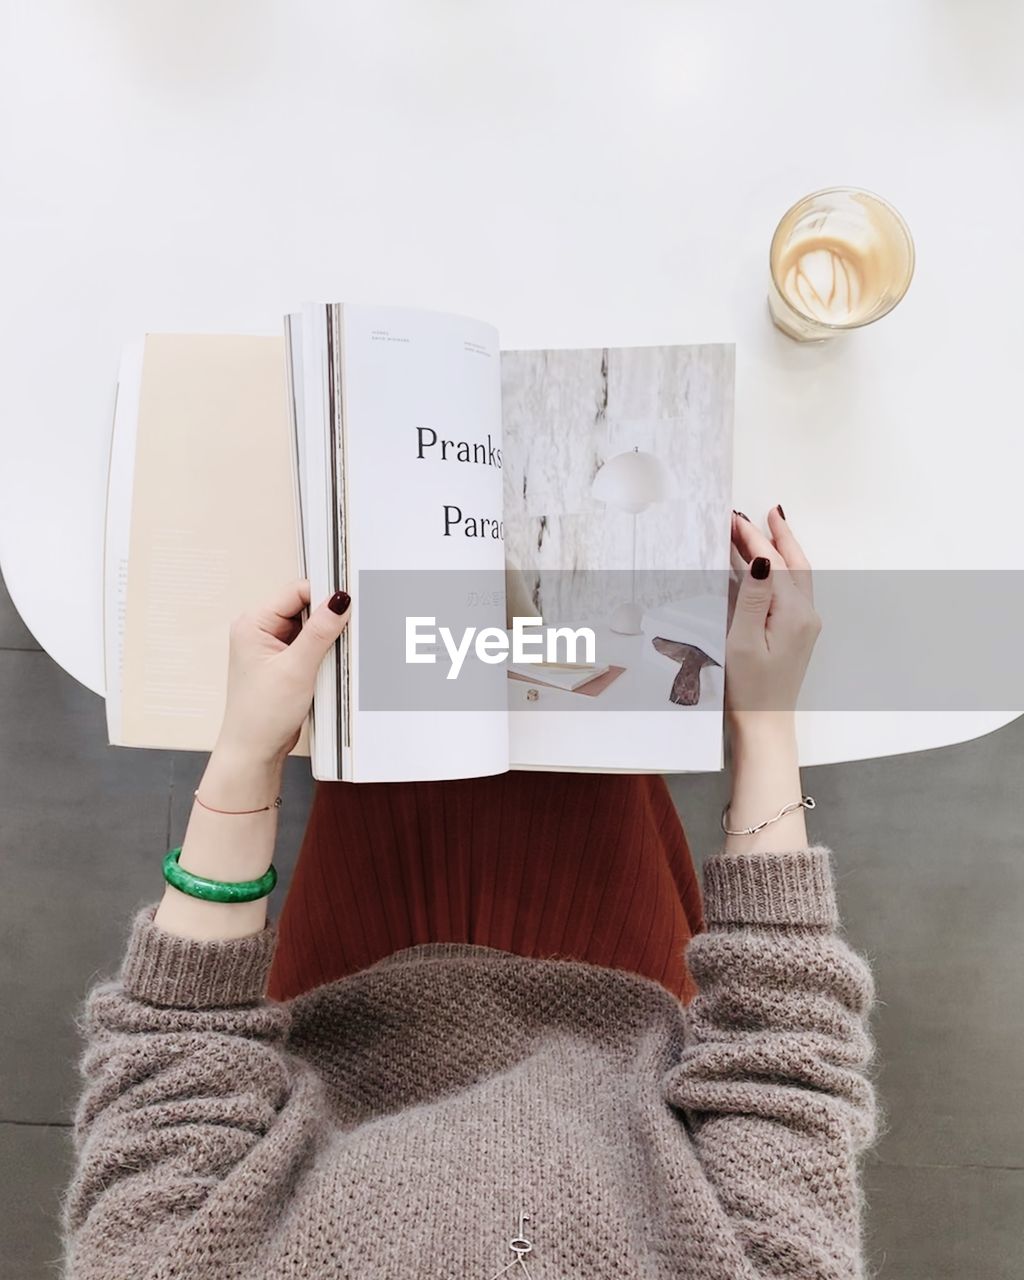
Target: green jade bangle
[{"x": 216, "y": 890}]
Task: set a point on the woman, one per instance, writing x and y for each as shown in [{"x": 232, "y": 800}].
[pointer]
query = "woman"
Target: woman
[{"x": 463, "y": 1110}]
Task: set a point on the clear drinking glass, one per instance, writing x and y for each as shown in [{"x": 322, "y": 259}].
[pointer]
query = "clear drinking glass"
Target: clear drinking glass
[{"x": 839, "y": 259}]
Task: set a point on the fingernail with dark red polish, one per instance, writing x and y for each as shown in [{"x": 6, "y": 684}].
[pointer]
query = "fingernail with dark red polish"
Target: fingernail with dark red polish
[
  {"x": 339, "y": 602},
  {"x": 778, "y": 508},
  {"x": 760, "y": 567},
  {"x": 741, "y": 515}
]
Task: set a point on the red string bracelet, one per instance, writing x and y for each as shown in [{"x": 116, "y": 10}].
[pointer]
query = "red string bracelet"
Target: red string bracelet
[{"x": 237, "y": 812}]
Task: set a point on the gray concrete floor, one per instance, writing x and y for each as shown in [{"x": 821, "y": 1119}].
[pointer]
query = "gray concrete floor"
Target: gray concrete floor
[{"x": 931, "y": 877}]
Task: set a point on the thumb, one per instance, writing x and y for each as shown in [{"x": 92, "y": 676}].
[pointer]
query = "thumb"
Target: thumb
[
  {"x": 753, "y": 601},
  {"x": 319, "y": 632}
]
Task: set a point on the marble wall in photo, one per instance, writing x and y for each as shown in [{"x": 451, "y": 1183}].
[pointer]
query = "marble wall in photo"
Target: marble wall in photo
[{"x": 565, "y": 413}]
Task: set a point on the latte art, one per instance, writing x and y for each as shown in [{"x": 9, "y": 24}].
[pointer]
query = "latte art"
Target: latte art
[{"x": 829, "y": 280}]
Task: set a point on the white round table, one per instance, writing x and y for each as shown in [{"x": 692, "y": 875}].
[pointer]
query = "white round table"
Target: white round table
[{"x": 580, "y": 174}]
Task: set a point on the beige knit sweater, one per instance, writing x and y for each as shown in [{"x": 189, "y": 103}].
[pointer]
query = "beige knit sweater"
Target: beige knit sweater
[{"x": 397, "y": 1122}]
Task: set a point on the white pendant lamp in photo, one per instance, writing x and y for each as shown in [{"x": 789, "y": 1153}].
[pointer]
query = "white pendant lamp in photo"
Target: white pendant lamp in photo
[{"x": 631, "y": 482}]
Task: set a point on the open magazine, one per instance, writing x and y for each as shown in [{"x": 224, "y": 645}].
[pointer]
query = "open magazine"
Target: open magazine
[{"x": 452, "y": 489}]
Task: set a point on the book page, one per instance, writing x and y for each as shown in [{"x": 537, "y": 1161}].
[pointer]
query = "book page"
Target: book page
[
  {"x": 213, "y": 531},
  {"x": 422, "y": 493},
  {"x": 617, "y": 492},
  {"x": 316, "y": 461},
  {"x": 117, "y": 530}
]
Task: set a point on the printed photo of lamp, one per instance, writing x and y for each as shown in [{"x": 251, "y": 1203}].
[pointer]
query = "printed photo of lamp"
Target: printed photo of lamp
[{"x": 631, "y": 482}]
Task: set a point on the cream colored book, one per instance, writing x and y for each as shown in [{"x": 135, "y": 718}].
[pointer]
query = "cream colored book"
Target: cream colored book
[
  {"x": 202, "y": 523},
  {"x": 451, "y": 488}
]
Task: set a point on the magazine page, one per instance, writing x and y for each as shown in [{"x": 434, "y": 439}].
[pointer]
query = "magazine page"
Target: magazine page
[
  {"x": 314, "y": 447},
  {"x": 117, "y": 530},
  {"x": 617, "y": 485},
  {"x": 413, "y": 406},
  {"x": 207, "y": 536}
]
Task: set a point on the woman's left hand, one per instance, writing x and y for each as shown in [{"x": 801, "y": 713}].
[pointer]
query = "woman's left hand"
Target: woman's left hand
[{"x": 272, "y": 666}]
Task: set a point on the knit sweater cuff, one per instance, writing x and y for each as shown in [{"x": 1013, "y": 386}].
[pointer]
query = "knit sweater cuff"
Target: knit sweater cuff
[
  {"x": 792, "y": 888},
  {"x": 187, "y": 973}
]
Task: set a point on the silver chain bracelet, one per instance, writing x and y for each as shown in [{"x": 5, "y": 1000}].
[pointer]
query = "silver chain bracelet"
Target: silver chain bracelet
[{"x": 805, "y": 802}]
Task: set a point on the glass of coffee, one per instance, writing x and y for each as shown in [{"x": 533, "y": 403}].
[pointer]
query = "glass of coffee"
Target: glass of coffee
[{"x": 839, "y": 259}]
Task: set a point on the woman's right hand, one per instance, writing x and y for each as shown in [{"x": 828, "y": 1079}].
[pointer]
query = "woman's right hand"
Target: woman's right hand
[
  {"x": 772, "y": 633},
  {"x": 774, "y": 623}
]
